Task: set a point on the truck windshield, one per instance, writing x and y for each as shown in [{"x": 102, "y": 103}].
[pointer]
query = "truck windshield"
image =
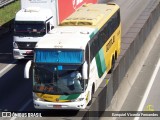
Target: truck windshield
[
  {"x": 52, "y": 79},
  {"x": 29, "y": 29}
]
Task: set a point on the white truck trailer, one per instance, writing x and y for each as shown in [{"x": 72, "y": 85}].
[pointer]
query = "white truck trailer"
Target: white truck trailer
[{"x": 36, "y": 18}]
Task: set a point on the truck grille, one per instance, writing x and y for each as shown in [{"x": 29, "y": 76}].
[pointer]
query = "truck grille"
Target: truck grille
[{"x": 26, "y": 45}]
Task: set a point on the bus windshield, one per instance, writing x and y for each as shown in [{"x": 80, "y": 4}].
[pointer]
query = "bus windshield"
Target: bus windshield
[
  {"x": 29, "y": 29},
  {"x": 52, "y": 79}
]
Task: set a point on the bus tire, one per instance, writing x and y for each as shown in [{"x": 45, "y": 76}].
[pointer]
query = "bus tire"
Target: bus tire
[{"x": 113, "y": 64}]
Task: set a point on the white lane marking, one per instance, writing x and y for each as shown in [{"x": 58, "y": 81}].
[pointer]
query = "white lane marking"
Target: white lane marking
[
  {"x": 7, "y": 68},
  {"x": 13, "y": 118},
  {"x": 25, "y": 105},
  {"x": 148, "y": 88},
  {"x": 2, "y": 72},
  {"x": 22, "y": 108},
  {"x": 5, "y": 53}
]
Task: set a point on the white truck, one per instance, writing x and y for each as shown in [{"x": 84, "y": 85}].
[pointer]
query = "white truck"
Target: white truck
[{"x": 35, "y": 19}]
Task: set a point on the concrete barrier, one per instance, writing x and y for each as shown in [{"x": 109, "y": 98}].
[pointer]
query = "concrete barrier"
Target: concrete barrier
[{"x": 132, "y": 42}]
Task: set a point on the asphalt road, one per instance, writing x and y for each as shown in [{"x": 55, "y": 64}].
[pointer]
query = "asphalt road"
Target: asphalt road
[{"x": 16, "y": 92}]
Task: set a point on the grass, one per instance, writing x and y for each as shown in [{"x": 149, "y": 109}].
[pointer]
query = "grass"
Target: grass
[{"x": 8, "y": 12}]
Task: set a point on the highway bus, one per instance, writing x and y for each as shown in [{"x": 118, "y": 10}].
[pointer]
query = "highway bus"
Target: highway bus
[{"x": 73, "y": 59}]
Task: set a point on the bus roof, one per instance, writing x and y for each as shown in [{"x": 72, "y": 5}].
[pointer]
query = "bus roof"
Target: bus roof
[
  {"x": 69, "y": 37},
  {"x": 91, "y": 15}
]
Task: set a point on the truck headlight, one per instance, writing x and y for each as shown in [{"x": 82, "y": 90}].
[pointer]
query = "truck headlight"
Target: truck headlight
[{"x": 15, "y": 45}]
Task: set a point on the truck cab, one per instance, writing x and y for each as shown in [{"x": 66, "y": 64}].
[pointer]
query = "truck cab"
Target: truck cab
[
  {"x": 30, "y": 25},
  {"x": 35, "y": 19}
]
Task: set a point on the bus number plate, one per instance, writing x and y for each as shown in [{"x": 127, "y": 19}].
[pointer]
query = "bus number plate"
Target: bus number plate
[{"x": 57, "y": 106}]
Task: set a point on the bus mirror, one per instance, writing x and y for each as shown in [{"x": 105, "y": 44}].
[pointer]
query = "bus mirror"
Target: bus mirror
[
  {"x": 52, "y": 27},
  {"x": 27, "y": 68},
  {"x": 85, "y": 71}
]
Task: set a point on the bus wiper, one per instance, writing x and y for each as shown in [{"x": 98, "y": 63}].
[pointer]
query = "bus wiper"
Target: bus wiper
[
  {"x": 39, "y": 67},
  {"x": 66, "y": 93}
]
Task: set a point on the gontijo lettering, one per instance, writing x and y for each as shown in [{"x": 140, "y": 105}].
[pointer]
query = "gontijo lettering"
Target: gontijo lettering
[{"x": 110, "y": 43}]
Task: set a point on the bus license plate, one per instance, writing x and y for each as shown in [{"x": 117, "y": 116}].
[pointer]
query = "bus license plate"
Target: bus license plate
[{"x": 57, "y": 106}]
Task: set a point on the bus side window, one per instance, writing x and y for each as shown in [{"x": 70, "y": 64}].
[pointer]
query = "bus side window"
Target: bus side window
[
  {"x": 109, "y": 26},
  {"x": 106, "y": 31},
  {"x": 102, "y": 38}
]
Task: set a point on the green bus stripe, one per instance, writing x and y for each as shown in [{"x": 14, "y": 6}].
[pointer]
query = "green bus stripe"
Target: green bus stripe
[
  {"x": 98, "y": 65},
  {"x": 69, "y": 97},
  {"x": 100, "y": 61}
]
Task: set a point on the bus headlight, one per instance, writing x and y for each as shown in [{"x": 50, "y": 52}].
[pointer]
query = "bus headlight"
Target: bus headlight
[
  {"x": 35, "y": 97},
  {"x": 40, "y": 99},
  {"x": 77, "y": 100}
]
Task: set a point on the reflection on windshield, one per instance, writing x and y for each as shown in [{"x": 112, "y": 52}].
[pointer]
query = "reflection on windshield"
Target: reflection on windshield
[
  {"x": 48, "y": 79},
  {"x": 29, "y": 29}
]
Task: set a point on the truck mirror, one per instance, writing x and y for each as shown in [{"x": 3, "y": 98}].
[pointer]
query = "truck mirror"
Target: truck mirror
[
  {"x": 27, "y": 68},
  {"x": 85, "y": 70}
]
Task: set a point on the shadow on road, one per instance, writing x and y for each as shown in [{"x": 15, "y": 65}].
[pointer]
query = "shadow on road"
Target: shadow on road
[{"x": 6, "y": 41}]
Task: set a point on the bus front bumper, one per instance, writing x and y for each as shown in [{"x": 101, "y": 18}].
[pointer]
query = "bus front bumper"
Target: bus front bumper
[{"x": 60, "y": 105}]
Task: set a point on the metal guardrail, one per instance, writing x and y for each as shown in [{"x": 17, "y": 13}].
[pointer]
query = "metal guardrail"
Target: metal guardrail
[{"x": 5, "y": 2}]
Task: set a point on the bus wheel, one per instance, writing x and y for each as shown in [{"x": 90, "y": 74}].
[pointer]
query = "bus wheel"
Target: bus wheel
[{"x": 113, "y": 64}]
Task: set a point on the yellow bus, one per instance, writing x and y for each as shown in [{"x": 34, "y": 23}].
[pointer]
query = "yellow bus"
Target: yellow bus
[{"x": 73, "y": 59}]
